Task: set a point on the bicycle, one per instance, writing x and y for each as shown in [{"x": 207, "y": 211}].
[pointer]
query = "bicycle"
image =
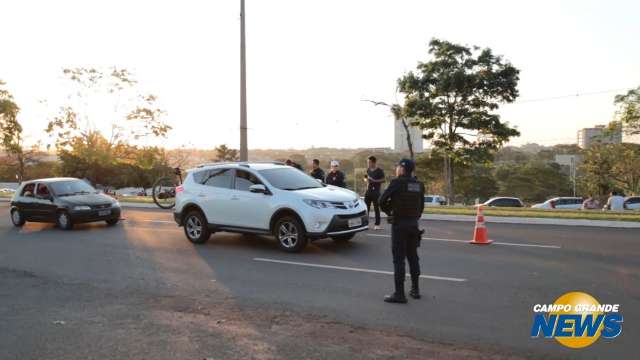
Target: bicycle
[{"x": 164, "y": 190}]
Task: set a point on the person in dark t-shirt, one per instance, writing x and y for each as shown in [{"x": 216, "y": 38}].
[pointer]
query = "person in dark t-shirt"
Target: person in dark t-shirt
[
  {"x": 335, "y": 176},
  {"x": 317, "y": 172},
  {"x": 374, "y": 178}
]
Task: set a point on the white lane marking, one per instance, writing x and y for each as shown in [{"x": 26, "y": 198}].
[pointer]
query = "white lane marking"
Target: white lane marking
[
  {"x": 432, "y": 277},
  {"x": 495, "y": 242},
  {"x": 160, "y": 221}
]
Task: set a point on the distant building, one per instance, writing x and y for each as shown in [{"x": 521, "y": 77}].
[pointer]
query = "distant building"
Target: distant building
[
  {"x": 599, "y": 134},
  {"x": 400, "y": 138}
]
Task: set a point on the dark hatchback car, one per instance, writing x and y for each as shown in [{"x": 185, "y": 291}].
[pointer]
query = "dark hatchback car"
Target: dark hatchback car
[{"x": 64, "y": 201}]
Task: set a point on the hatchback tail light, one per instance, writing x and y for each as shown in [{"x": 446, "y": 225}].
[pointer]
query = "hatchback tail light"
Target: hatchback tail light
[{"x": 179, "y": 189}]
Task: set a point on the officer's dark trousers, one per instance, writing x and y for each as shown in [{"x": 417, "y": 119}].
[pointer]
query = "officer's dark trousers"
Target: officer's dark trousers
[
  {"x": 404, "y": 244},
  {"x": 372, "y": 198}
]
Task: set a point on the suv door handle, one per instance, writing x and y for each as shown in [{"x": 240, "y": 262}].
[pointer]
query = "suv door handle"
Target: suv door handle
[
  {"x": 201, "y": 195},
  {"x": 234, "y": 197}
]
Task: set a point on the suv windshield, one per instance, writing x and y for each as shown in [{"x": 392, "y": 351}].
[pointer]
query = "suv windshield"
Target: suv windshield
[
  {"x": 287, "y": 178},
  {"x": 71, "y": 187}
]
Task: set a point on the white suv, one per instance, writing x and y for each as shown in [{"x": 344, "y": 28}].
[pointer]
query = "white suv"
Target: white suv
[{"x": 266, "y": 198}]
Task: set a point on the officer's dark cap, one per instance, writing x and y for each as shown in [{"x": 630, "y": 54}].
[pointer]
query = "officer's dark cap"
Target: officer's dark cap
[{"x": 408, "y": 164}]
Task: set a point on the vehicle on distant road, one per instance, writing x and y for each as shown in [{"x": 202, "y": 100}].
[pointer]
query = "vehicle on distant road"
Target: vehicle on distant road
[
  {"x": 7, "y": 190},
  {"x": 64, "y": 201},
  {"x": 574, "y": 203},
  {"x": 503, "y": 202},
  {"x": 632, "y": 202},
  {"x": 269, "y": 199},
  {"x": 434, "y": 200}
]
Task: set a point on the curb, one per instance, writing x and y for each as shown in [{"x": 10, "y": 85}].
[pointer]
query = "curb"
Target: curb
[
  {"x": 471, "y": 218},
  {"x": 537, "y": 221}
]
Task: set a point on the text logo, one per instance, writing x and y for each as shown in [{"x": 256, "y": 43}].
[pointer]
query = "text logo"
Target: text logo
[{"x": 576, "y": 320}]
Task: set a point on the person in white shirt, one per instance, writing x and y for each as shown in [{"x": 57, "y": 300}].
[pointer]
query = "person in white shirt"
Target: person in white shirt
[{"x": 615, "y": 202}]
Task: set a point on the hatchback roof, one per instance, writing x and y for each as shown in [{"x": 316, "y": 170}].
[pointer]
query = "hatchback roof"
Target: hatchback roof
[{"x": 50, "y": 180}]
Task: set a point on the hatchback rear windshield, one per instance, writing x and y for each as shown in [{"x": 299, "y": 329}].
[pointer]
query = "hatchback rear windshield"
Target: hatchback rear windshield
[{"x": 288, "y": 178}]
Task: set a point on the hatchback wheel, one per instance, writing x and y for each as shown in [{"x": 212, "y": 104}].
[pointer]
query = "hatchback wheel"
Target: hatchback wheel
[
  {"x": 290, "y": 234},
  {"x": 64, "y": 221},
  {"x": 195, "y": 228},
  {"x": 16, "y": 218}
]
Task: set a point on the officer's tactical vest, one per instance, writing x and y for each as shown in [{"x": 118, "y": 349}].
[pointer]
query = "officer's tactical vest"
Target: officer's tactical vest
[{"x": 408, "y": 201}]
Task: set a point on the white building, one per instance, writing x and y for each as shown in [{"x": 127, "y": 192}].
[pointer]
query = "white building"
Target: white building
[
  {"x": 597, "y": 134},
  {"x": 400, "y": 138}
]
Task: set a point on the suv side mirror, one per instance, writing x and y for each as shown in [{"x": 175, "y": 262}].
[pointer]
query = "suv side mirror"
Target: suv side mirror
[
  {"x": 320, "y": 181},
  {"x": 258, "y": 188}
]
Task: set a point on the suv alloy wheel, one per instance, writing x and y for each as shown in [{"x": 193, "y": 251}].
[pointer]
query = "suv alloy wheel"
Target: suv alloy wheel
[{"x": 290, "y": 234}]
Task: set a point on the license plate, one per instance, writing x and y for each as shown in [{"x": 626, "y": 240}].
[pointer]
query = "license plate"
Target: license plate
[
  {"x": 355, "y": 222},
  {"x": 104, "y": 212}
]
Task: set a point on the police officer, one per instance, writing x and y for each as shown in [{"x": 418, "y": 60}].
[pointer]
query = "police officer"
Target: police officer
[
  {"x": 403, "y": 201},
  {"x": 335, "y": 177}
]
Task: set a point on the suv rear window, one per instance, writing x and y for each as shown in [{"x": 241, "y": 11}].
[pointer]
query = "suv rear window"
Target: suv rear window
[{"x": 220, "y": 178}]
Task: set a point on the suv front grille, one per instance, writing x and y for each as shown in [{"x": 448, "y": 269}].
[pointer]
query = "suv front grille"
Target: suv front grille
[
  {"x": 351, "y": 216},
  {"x": 101, "y": 206}
]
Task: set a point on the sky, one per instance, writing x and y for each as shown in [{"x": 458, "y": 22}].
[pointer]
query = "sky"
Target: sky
[{"x": 311, "y": 63}]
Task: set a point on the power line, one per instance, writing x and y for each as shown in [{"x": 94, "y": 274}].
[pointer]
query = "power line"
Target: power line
[{"x": 576, "y": 95}]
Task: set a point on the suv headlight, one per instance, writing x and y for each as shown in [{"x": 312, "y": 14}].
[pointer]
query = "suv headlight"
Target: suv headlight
[
  {"x": 320, "y": 204},
  {"x": 81, "y": 207},
  {"x": 116, "y": 204}
]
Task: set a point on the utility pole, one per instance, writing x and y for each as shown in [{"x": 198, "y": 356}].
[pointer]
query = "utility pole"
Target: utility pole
[{"x": 244, "y": 154}]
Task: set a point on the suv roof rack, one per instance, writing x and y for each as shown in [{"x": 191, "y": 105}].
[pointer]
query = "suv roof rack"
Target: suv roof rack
[{"x": 240, "y": 163}]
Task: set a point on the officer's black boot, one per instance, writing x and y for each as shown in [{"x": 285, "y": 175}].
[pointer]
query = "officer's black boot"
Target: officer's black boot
[
  {"x": 397, "y": 297},
  {"x": 415, "y": 289}
]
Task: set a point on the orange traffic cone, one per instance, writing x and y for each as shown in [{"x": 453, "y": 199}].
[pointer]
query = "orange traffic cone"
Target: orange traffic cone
[{"x": 480, "y": 236}]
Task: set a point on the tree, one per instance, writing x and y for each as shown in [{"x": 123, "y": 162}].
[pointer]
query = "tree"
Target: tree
[
  {"x": 96, "y": 141},
  {"x": 131, "y": 116},
  {"x": 452, "y": 98},
  {"x": 11, "y": 133},
  {"x": 608, "y": 167},
  {"x": 224, "y": 153},
  {"x": 396, "y": 110},
  {"x": 533, "y": 181},
  {"x": 629, "y": 110}
]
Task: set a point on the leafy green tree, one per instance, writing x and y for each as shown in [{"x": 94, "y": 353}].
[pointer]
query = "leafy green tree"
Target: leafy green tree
[
  {"x": 608, "y": 167},
  {"x": 453, "y": 99},
  {"x": 224, "y": 153},
  {"x": 629, "y": 110},
  {"x": 11, "y": 138},
  {"x": 533, "y": 181},
  {"x": 134, "y": 116}
]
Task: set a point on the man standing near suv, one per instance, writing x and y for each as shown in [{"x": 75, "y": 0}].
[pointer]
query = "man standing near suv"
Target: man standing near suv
[
  {"x": 317, "y": 172},
  {"x": 374, "y": 179},
  {"x": 403, "y": 201}
]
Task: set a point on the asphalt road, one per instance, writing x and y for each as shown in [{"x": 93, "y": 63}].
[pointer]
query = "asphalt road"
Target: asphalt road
[{"x": 141, "y": 290}]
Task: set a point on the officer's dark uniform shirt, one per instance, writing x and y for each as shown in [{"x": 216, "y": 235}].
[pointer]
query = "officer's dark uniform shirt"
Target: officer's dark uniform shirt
[
  {"x": 317, "y": 174},
  {"x": 376, "y": 174},
  {"x": 336, "y": 178},
  {"x": 404, "y": 198}
]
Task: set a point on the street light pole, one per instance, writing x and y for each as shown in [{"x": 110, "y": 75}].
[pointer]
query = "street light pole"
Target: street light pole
[{"x": 244, "y": 154}]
